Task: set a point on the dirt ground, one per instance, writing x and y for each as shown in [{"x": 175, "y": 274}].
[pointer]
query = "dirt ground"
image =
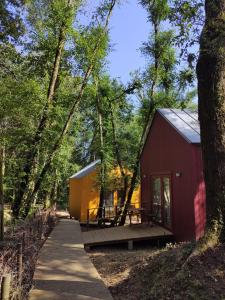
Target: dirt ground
[
  {"x": 149, "y": 273},
  {"x": 116, "y": 263}
]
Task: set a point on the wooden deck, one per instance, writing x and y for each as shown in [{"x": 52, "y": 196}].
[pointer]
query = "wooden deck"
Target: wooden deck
[{"x": 121, "y": 234}]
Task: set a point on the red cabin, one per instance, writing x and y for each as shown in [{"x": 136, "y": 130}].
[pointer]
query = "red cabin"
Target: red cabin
[{"x": 172, "y": 184}]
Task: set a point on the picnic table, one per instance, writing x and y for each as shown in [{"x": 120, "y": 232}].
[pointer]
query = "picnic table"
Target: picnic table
[{"x": 143, "y": 213}]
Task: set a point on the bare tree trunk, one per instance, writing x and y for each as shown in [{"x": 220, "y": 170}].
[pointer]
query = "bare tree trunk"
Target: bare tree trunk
[
  {"x": 118, "y": 157},
  {"x": 102, "y": 171},
  {"x": 92, "y": 151},
  {"x": 28, "y": 200},
  {"x": 211, "y": 92}
]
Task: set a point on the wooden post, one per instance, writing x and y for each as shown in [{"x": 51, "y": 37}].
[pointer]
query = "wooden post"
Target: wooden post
[
  {"x": 87, "y": 219},
  {"x": 115, "y": 212},
  {"x": 130, "y": 245},
  {"x": 41, "y": 226},
  {"x": 5, "y": 287},
  {"x": 19, "y": 262}
]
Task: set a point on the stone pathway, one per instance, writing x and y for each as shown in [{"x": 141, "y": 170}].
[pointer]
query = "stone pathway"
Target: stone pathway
[{"x": 64, "y": 270}]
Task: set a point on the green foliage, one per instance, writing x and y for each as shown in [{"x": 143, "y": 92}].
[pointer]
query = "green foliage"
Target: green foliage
[
  {"x": 164, "y": 82},
  {"x": 188, "y": 18},
  {"x": 25, "y": 74},
  {"x": 24, "y": 77},
  {"x": 157, "y": 10},
  {"x": 46, "y": 20},
  {"x": 11, "y": 23},
  {"x": 84, "y": 50}
]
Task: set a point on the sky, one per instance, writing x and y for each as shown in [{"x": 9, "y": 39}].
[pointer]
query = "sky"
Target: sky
[{"x": 128, "y": 30}]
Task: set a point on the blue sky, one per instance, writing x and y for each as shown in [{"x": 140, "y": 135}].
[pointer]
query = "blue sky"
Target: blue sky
[{"x": 128, "y": 29}]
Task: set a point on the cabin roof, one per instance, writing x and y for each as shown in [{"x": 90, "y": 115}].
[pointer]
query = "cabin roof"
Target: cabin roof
[
  {"x": 86, "y": 170},
  {"x": 185, "y": 122}
]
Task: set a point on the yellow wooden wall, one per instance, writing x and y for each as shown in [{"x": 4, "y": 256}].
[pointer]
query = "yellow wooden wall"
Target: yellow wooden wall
[
  {"x": 84, "y": 194},
  {"x": 75, "y": 190},
  {"x": 135, "y": 200},
  {"x": 136, "y": 197}
]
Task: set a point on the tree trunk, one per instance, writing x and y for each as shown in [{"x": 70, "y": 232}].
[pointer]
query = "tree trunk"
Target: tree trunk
[
  {"x": 102, "y": 171},
  {"x": 145, "y": 128},
  {"x": 125, "y": 188},
  {"x": 211, "y": 92},
  {"x": 2, "y": 173},
  {"x": 137, "y": 164},
  {"x": 50, "y": 195},
  {"x": 28, "y": 200},
  {"x": 147, "y": 124},
  {"x": 118, "y": 156},
  {"x": 30, "y": 164}
]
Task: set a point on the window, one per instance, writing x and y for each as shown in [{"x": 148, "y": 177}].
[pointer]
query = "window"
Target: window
[
  {"x": 156, "y": 205},
  {"x": 161, "y": 199},
  {"x": 109, "y": 199},
  {"x": 167, "y": 201}
]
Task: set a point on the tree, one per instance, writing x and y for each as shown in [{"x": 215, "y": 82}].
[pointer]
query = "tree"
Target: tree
[
  {"x": 114, "y": 136},
  {"x": 11, "y": 24},
  {"x": 211, "y": 92},
  {"x": 2, "y": 174},
  {"x": 188, "y": 18},
  {"x": 65, "y": 12},
  {"x": 95, "y": 41},
  {"x": 43, "y": 79},
  {"x": 101, "y": 152},
  {"x": 160, "y": 80},
  {"x": 21, "y": 102}
]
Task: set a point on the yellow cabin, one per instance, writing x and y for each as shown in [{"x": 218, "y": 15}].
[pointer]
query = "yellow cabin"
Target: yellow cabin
[{"x": 84, "y": 193}]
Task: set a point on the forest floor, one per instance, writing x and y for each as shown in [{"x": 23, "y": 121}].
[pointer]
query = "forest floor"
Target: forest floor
[{"x": 148, "y": 272}]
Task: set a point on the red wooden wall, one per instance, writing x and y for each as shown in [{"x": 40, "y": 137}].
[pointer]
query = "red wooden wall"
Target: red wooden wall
[{"x": 167, "y": 152}]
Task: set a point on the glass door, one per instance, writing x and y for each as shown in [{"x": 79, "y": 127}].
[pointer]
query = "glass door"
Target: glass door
[
  {"x": 166, "y": 201},
  {"x": 161, "y": 199},
  {"x": 157, "y": 199}
]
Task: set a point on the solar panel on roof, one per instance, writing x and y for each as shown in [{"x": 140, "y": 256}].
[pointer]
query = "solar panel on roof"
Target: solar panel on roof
[
  {"x": 184, "y": 121},
  {"x": 188, "y": 118},
  {"x": 192, "y": 113}
]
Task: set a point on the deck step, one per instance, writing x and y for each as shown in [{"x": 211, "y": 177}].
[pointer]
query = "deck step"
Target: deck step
[{"x": 121, "y": 234}]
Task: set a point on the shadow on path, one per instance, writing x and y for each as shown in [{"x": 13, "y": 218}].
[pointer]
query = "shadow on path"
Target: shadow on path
[{"x": 64, "y": 270}]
